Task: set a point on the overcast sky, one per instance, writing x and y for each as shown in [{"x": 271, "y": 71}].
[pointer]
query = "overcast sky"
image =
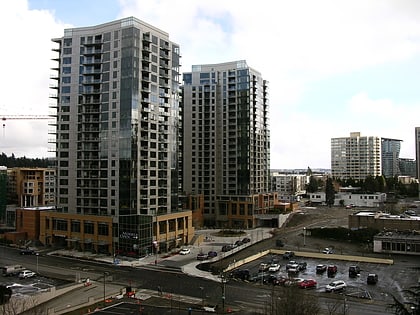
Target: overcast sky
[{"x": 333, "y": 67}]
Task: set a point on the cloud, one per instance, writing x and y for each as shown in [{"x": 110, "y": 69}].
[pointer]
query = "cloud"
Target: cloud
[
  {"x": 294, "y": 44},
  {"x": 25, "y": 61}
]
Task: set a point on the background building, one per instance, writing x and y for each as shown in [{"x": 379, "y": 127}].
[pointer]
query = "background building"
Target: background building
[
  {"x": 417, "y": 142},
  {"x": 31, "y": 187},
  {"x": 226, "y": 141},
  {"x": 408, "y": 167},
  {"x": 116, "y": 130},
  {"x": 3, "y": 194},
  {"x": 289, "y": 186},
  {"x": 355, "y": 157},
  {"x": 390, "y": 154}
]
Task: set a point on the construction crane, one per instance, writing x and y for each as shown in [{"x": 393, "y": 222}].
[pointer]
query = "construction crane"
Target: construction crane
[
  {"x": 9, "y": 117},
  {"x": 21, "y": 117}
]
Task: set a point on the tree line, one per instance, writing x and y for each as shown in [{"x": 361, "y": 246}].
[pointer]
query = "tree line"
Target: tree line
[
  {"x": 13, "y": 161},
  {"x": 369, "y": 185}
]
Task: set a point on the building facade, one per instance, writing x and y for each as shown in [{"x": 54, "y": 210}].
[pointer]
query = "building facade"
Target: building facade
[
  {"x": 3, "y": 194},
  {"x": 408, "y": 167},
  {"x": 117, "y": 98},
  {"x": 417, "y": 143},
  {"x": 355, "y": 157},
  {"x": 289, "y": 186},
  {"x": 31, "y": 187},
  {"x": 225, "y": 136},
  {"x": 383, "y": 221},
  {"x": 390, "y": 154},
  {"x": 396, "y": 242}
]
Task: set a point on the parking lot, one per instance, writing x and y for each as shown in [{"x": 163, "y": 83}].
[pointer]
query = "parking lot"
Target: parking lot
[
  {"x": 27, "y": 286},
  {"x": 392, "y": 278}
]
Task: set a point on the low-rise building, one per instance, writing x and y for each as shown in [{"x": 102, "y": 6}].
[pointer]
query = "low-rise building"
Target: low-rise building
[
  {"x": 383, "y": 221},
  {"x": 397, "y": 242},
  {"x": 349, "y": 196}
]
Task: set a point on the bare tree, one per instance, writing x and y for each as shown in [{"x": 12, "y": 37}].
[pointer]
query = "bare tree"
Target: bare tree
[
  {"x": 337, "y": 307},
  {"x": 26, "y": 305},
  {"x": 286, "y": 303}
]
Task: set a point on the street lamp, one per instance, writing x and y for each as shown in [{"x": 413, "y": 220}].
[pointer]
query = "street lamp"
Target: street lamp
[
  {"x": 224, "y": 280},
  {"x": 202, "y": 299},
  {"x": 304, "y": 236},
  {"x": 37, "y": 269},
  {"x": 105, "y": 274}
]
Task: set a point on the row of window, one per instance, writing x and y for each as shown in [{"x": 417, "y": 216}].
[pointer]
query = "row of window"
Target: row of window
[
  {"x": 408, "y": 246},
  {"x": 75, "y": 226}
]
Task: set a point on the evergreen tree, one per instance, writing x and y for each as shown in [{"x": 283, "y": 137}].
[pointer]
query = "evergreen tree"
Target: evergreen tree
[{"x": 329, "y": 192}]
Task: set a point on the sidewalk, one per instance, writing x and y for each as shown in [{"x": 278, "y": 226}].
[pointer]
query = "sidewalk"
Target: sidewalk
[{"x": 211, "y": 242}]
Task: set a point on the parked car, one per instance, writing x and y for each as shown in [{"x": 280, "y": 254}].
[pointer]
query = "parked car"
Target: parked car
[
  {"x": 331, "y": 270},
  {"x": 12, "y": 270},
  {"x": 302, "y": 266},
  {"x": 26, "y": 274},
  {"x": 211, "y": 254},
  {"x": 328, "y": 250},
  {"x": 291, "y": 264},
  {"x": 308, "y": 283},
  {"x": 274, "y": 268},
  {"x": 246, "y": 240},
  {"x": 288, "y": 255},
  {"x": 242, "y": 274},
  {"x": 335, "y": 286},
  {"x": 293, "y": 268},
  {"x": 238, "y": 243},
  {"x": 293, "y": 281},
  {"x": 259, "y": 277},
  {"x": 354, "y": 271},
  {"x": 263, "y": 267},
  {"x": 226, "y": 248},
  {"x": 372, "y": 278},
  {"x": 279, "y": 242},
  {"x": 185, "y": 251},
  {"x": 321, "y": 268},
  {"x": 27, "y": 251},
  {"x": 202, "y": 256}
]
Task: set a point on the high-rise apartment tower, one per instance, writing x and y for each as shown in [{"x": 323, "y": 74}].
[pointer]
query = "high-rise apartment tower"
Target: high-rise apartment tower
[
  {"x": 355, "y": 157},
  {"x": 226, "y": 138},
  {"x": 117, "y": 118}
]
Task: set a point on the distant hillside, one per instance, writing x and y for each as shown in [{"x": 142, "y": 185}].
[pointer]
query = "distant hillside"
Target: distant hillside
[{"x": 12, "y": 161}]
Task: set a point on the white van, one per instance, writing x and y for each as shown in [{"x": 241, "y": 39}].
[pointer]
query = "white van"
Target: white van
[{"x": 12, "y": 270}]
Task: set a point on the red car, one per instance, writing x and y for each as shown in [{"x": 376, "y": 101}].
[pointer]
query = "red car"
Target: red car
[{"x": 308, "y": 283}]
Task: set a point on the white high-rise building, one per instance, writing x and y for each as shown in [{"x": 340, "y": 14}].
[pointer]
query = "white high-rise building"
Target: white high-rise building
[{"x": 355, "y": 157}]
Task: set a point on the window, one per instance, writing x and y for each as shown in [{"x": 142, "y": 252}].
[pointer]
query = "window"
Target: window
[
  {"x": 103, "y": 229},
  {"x": 67, "y": 51},
  {"x": 67, "y": 60},
  {"x": 88, "y": 227},
  {"x": 75, "y": 226}
]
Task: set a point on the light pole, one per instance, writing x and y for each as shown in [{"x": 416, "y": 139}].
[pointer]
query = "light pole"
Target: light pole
[
  {"x": 105, "y": 274},
  {"x": 202, "y": 299},
  {"x": 304, "y": 236},
  {"x": 37, "y": 269},
  {"x": 224, "y": 280}
]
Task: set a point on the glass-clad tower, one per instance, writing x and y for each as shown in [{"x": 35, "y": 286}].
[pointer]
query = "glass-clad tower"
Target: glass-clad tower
[
  {"x": 225, "y": 135},
  {"x": 117, "y": 117},
  {"x": 390, "y": 153}
]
